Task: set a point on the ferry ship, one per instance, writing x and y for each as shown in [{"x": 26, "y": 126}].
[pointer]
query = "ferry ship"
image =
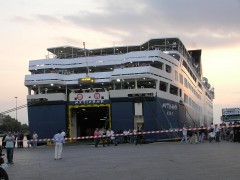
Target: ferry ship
[
  {"x": 157, "y": 85},
  {"x": 230, "y": 115}
]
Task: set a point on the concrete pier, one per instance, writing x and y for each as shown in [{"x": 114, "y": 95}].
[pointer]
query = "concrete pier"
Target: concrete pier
[{"x": 156, "y": 161}]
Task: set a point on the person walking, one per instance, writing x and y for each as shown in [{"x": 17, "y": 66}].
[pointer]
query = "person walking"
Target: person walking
[
  {"x": 96, "y": 138},
  {"x": 111, "y": 138},
  {"x": 131, "y": 137},
  {"x": 28, "y": 139},
  {"x": 184, "y": 132},
  {"x": 217, "y": 133},
  {"x": 35, "y": 139},
  {"x": 3, "y": 140},
  {"x": 190, "y": 135},
  {"x": 10, "y": 139},
  {"x": 103, "y": 133},
  {"x": 59, "y": 140},
  {"x": 201, "y": 134},
  {"x": 20, "y": 140},
  {"x": 125, "y": 133},
  {"x": 139, "y": 138}
]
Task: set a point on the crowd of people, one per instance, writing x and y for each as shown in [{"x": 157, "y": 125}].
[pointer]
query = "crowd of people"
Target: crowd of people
[
  {"x": 11, "y": 140},
  {"x": 108, "y": 137},
  {"x": 231, "y": 134},
  {"x": 213, "y": 133},
  {"x": 18, "y": 139}
]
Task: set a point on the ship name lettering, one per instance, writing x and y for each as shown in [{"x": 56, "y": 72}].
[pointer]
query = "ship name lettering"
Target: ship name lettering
[{"x": 169, "y": 106}]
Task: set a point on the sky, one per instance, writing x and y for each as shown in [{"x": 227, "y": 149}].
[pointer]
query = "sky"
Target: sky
[{"x": 29, "y": 27}]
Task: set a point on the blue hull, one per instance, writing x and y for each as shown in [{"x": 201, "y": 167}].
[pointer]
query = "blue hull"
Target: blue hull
[{"x": 159, "y": 114}]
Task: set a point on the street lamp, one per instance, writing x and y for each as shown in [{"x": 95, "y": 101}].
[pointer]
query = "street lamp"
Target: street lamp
[{"x": 16, "y": 106}]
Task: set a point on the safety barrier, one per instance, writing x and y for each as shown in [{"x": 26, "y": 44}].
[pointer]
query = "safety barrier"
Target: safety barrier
[{"x": 130, "y": 134}]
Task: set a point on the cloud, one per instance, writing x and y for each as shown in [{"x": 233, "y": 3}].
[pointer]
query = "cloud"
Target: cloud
[
  {"x": 206, "y": 21},
  {"x": 66, "y": 40},
  {"x": 20, "y": 19},
  {"x": 50, "y": 19},
  {"x": 199, "y": 23}
]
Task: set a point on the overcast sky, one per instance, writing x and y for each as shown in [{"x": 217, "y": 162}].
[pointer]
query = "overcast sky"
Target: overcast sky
[{"x": 29, "y": 27}]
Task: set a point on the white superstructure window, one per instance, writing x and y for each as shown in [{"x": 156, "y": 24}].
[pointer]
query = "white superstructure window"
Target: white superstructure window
[
  {"x": 173, "y": 90},
  {"x": 176, "y": 76},
  {"x": 156, "y": 64},
  {"x": 168, "y": 68},
  {"x": 163, "y": 86},
  {"x": 190, "y": 101},
  {"x": 185, "y": 83},
  {"x": 185, "y": 98},
  {"x": 181, "y": 78}
]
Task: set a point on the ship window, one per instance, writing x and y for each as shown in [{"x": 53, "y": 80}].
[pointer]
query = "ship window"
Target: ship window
[
  {"x": 173, "y": 90},
  {"x": 176, "y": 56},
  {"x": 190, "y": 102},
  {"x": 199, "y": 85},
  {"x": 185, "y": 64},
  {"x": 190, "y": 87},
  {"x": 181, "y": 78},
  {"x": 163, "y": 86},
  {"x": 176, "y": 76},
  {"x": 185, "y": 83},
  {"x": 146, "y": 84},
  {"x": 128, "y": 84},
  {"x": 157, "y": 64},
  {"x": 118, "y": 85},
  {"x": 185, "y": 98},
  {"x": 168, "y": 68}
]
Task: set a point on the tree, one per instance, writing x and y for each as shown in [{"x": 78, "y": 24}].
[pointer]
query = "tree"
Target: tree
[{"x": 11, "y": 124}]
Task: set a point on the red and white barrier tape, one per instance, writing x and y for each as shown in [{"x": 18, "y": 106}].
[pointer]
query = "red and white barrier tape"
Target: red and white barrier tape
[{"x": 131, "y": 134}]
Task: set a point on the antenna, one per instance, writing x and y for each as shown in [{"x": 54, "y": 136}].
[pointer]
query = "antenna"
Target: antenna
[{"x": 85, "y": 51}]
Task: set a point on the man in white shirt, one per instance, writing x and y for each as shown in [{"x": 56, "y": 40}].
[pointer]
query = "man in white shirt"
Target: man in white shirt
[
  {"x": 111, "y": 138},
  {"x": 125, "y": 133},
  {"x": 59, "y": 140},
  {"x": 63, "y": 133},
  {"x": 184, "y": 132},
  {"x": 35, "y": 139}
]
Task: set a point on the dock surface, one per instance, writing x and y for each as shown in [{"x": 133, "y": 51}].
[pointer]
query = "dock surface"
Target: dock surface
[{"x": 155, "y": 161}]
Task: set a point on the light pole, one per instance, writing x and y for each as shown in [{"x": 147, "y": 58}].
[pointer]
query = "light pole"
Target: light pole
[{"x": 16, "y": 106}]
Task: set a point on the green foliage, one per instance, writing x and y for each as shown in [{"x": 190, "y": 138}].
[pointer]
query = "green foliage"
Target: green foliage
[{"x": 11, "y": 124}]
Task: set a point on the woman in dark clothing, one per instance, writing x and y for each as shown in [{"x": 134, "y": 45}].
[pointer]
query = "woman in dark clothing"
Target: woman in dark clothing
[{"x": 3, "y": 141}]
